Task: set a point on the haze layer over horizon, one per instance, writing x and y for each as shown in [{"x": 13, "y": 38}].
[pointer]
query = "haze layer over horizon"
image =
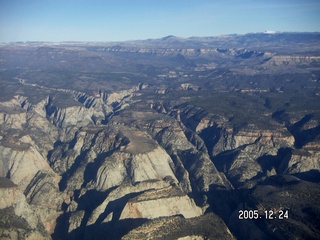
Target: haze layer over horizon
[{"x": 98, "y": 20}]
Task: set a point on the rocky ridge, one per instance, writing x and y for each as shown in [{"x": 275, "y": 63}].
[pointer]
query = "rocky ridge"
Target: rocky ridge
[
  {"x": 117, "y": 162},
  {"x": 104, "y": 158}
]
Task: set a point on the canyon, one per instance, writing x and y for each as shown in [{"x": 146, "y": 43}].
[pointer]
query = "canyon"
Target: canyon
[{"x": 161, "y": 139}]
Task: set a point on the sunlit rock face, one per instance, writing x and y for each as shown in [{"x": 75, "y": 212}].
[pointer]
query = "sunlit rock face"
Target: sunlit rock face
[
  {"x": 306, "y": 159},
  {"x": 24, "y": 222},
  {"x": 169, "y": 201}
]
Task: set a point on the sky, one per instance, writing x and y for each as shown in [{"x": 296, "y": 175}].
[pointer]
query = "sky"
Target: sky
[{"x": 120, "y": 20}]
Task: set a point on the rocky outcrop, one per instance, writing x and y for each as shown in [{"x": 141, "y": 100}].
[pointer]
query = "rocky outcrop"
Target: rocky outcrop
[
  {"x": 113, "y": 204},
  {"x": 12, "y": 115},
  {"x": 251, "y": 153},
  {"x": 169, "y": 202},
  {"x": 292, "y": 60},
  {"x": 194, "y": 168},
  {"x": 242, "y": 154},
  {"x": 230, "y": 139},
  {"x": 78, "y": 116},
  {"x": 94, "y": 110},
  {"x": 19, "y": 220},
  {"x": 21, "y": 162},
  {"x": 79, "y": 160},
  {"x": 28, "y": 168},
  {"x": 112, "y": 172},
  {"x": 155, "y": 164},
  {"x": 117, "y": 156},
  {"x": 305, "y": 159},
  {"x": 151, "y": 165}
]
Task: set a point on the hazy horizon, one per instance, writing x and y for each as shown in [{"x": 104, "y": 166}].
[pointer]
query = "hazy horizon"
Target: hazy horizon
[
  {"x": 145, "y": 39},
  {"x": 124, "y": 20}
]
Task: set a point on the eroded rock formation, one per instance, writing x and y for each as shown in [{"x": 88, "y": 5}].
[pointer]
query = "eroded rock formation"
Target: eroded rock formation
[{"x": 96, "y": 163}]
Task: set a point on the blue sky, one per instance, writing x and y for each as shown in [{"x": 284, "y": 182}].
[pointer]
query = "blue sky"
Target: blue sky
[{"x": 118, "y": 20}]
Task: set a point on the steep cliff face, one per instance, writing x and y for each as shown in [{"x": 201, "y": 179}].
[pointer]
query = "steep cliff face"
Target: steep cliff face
[
  {"x": 45, "y": 182},
  {"x": 290, "y": 61},
  {"x": 273, "y": 139},
  {"x": 12, "y": 115},
  {"x": 84, "y": 110},
  {"x": 79, "y": 116},
  {"x": 112, "y": 172},
  {"x": 249, "y": 153},
  {"x": 169, "y": 201},
  {"x": 19, "y": 220},
  {"x": 26, "y": 166},
  {"x": 26, "y": 139},
  {"x": 305, "y": 159},
  {"x": 112, "y": 206},
  {"x": 21, "y": 162},
  {"x": 205, "y": 52},
  {"x": 194, "y": 169},
  {"x": 155, "y": 164}
]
